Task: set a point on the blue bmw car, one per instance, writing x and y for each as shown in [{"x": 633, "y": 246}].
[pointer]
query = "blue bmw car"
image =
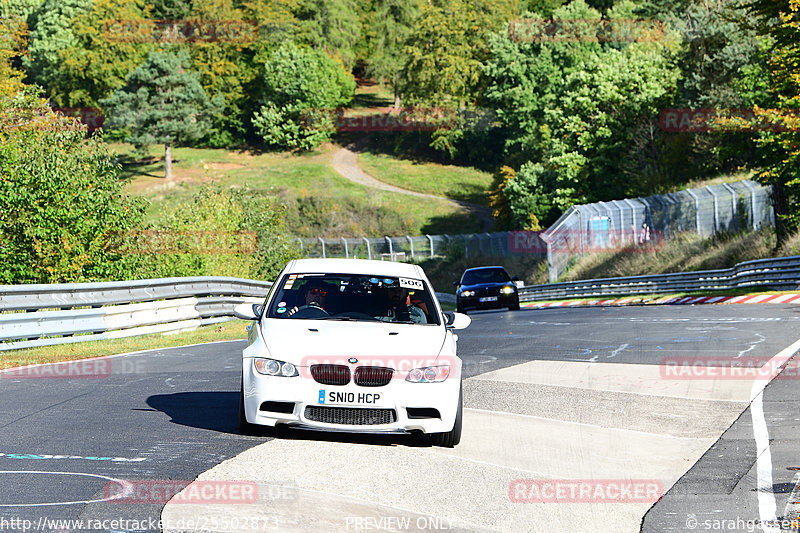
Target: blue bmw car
[{"x": 486, "y": 288}]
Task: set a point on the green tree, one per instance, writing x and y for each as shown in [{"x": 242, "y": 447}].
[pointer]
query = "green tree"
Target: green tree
[
  {"x": 162, "y": 102},
  {"x": 445, "y": 51},
  {"x": 779, "y": 152},
  {"x": 525, "y": 77},
  {"x": 387, "y": 28},
  {"x": 332, "y": 26},
  {"x": 77, "y": 52},
  {"x": 101, "y": 59},
  {"x": 301, "y": 88},
  {"x": 443, "y": 68},
  {"x": 13, "y": 33},
  {"x": 573, "y": 109},
  {"x": 19, "y": 8},
  {"x": 171, "y": 9},
  {"x": 52, "y": 34},
  {"x": 60, "y": 194},
  {"x": 231, "y": 67},
  {"x": 544, "y": 8},
  {"x": 724, "y": 66}
]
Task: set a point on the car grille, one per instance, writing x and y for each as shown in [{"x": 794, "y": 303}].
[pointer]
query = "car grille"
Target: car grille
[
  {"x": 331, "y": 374},
  {"x": 351, "y": 416},
  {"x": 373, "y": 376}
]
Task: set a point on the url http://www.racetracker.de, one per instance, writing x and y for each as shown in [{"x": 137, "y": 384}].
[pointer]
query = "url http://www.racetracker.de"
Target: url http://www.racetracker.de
[{"x": 204, "y": 523}]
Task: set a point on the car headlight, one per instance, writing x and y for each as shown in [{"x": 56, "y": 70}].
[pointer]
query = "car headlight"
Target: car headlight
[
  {"x": 507, "y": 290},
  {"x": 271, "y": 367},
  {"x": 468, "y": 293},
  {"x": 429, "y": 374}
]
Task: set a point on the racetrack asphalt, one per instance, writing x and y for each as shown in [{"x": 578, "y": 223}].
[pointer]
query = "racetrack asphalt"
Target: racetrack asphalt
[{"x": 550, "y": 394}]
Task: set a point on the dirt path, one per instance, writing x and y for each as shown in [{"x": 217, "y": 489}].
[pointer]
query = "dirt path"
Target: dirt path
[{"x": 345, "y": 162}]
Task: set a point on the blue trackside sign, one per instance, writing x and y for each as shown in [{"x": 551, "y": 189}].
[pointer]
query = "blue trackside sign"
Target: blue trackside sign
[{"x": 322, "y": 396}]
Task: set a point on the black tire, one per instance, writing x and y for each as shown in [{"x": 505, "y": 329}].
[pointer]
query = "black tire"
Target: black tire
[
  {"x": 514, "y": 307},
  {"x": 245, "y": 427},
  {"x": 452, "y": 437},
  {"x": 461, "y": 310}
]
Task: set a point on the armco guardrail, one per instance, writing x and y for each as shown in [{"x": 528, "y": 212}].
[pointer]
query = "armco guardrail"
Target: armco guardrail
[
  {"x": 77, "y": 312},
  {"x": 43, "y": 315},
  {"x": 778, "y": 274}
]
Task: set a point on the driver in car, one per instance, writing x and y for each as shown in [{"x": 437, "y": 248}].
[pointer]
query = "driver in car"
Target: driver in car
[
  {"x": 316, "y": 293},
  {"x": 398, "y": 308}
]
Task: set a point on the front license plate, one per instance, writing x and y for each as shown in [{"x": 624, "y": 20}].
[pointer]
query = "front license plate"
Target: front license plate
[
  {"x": 488, "y": 299},
  {"x": 329, "y": 397}
]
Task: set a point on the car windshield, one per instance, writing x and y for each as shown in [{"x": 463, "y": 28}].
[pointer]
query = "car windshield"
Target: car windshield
[
  {"x": 354, "y": 297},
  {"x": 485, "y": 275}
]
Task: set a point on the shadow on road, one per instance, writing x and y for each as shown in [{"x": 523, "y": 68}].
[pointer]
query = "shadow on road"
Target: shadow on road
[{"x": 217, "y": 411}]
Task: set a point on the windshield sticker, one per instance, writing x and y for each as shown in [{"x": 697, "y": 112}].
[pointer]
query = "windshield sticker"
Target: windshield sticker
[
  {"x": 281, "y": 310},
  {"x": 289, "y": 284},
  {"x": 410, "y": 283},
  {"x": 281, "y": 304}
]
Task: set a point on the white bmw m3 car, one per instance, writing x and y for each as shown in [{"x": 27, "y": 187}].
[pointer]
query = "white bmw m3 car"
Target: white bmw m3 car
[{"x": 352, "y": 345}]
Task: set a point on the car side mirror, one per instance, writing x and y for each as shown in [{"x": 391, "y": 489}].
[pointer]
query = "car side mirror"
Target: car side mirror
[
  {"x": 247, "y": 311},
  {"x": 515, "y": 278},
  {"x": 456, "y": 284},
  {"x": 457, "y": 320}
]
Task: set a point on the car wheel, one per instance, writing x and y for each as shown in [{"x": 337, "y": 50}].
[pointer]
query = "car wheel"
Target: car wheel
[
  {"x": 461, "y": 310},
  {"x": 452, "y": 437},
  {"x": 514, "y": 307},
  {"x": 245, "y": 427}
]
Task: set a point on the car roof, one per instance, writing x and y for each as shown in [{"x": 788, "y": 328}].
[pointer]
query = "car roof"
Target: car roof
[
  {"x": 484, "y": 268},
  {"x": 354, "y": 266}
]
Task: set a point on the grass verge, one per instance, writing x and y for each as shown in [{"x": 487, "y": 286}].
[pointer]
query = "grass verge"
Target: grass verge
[
  {"x": 320, "y": 203},
  {"x": 235, "y": 329},
  {"x": 454, "y": 182},
  {"x": 684, "y": 253}
]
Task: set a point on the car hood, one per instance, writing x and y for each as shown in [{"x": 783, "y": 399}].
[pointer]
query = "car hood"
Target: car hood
[
  {"x": 486, "y": 285},
  {"x": 295, "y": 342}
]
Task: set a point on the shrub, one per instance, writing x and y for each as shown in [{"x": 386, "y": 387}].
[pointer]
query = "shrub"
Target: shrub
[
  {"x": 299, "y": 83},
  {"x": 59, "y": 197}
]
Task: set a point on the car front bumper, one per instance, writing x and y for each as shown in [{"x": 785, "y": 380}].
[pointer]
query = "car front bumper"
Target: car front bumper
[
  {"x": 397, "y": 397},
  {"x": 473, "y": 302}
]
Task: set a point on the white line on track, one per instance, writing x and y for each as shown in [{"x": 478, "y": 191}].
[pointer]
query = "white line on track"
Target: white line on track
[
  {"x": 767, "y": 506},
  {"x": 753, "y": 345},
  {"x": 617, "y": 351}
]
